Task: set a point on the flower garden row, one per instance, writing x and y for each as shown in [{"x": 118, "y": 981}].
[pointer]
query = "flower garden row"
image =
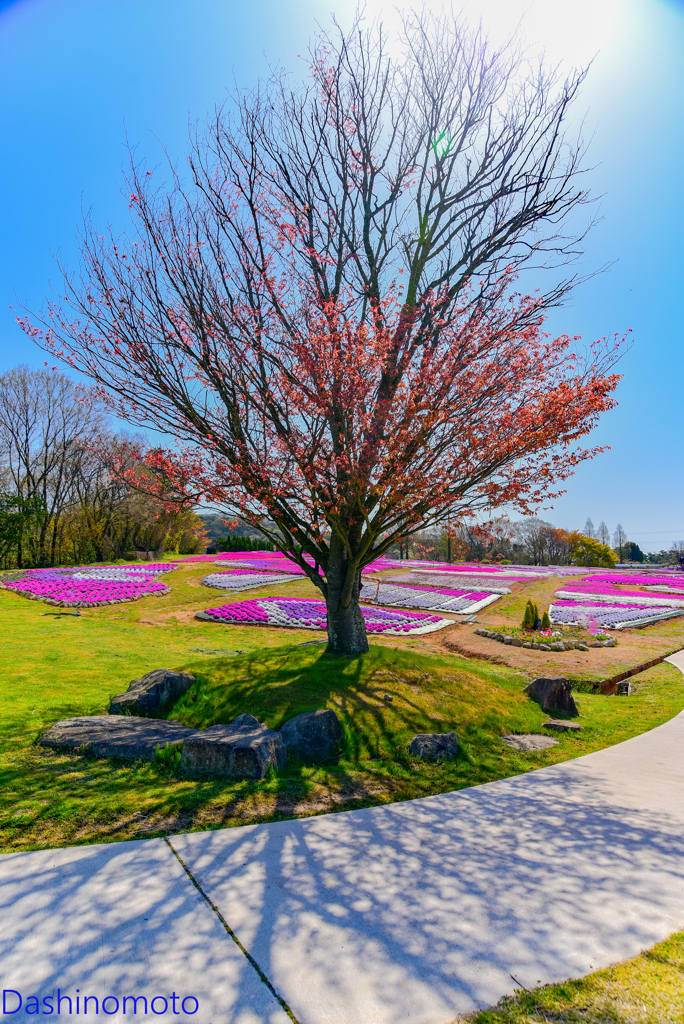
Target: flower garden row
[
  {"x": 544, "y": 640},
  {"x": 597, "y": 600},
  {"x": 303, "y": 613},
  {"x": 403, "y": 595},
  {"x": 610, "y": 600},
  {"x": 91, "y": 586}
]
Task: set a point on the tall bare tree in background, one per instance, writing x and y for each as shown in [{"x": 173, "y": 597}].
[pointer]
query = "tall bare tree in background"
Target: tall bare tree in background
[
  {"x": 589, "y": 529},
  {"x": 603, "y": 533},
  {"x": 61, "y": 499},
  {"x": 678, "y": 551},
  {"x": 619, "y": 540},
  {"x": 43, "y": 430}
]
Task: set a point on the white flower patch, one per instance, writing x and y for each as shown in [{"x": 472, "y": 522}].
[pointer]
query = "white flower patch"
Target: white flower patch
[
  {"x": 465, "y": 602},
  {"x": 237, "y": 581},
  {"x": 621, "y": 598}
]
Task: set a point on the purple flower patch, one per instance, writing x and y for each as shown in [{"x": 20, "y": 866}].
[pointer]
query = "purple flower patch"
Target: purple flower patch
[
  {"x": 90, "y": 586},
  {"x": 301, "y": 613},
  {"x": 437, "y": 599}
]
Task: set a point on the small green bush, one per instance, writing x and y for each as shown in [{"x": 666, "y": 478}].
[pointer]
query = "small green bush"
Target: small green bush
[
  {"x": 531, "y": 617},
  {"x": 169, "y": 755}
]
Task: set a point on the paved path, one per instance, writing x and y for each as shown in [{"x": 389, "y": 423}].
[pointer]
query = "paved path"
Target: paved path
[{"x": 413, "y": 912}]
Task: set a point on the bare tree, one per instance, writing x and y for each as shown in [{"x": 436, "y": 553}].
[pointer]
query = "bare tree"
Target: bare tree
[
  {"x": 43, "y": 427},
  {"x": 589, "y": 529},
  {"x": 603, "y": 533},
  {"x": 542, "y": 540},
  {"x": 678, "y": 551},
  {"x": 619, "y": 539},
  {"x": 316, "y": 311}
]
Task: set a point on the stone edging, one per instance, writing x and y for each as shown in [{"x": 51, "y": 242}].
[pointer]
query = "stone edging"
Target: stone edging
[{"x": 557, "y": 645}]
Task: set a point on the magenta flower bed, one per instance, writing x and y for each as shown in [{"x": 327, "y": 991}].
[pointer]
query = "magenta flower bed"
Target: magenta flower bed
[
  {"x": 594, "y": 604},
  {"x": 270, "y": 563},
  {"x": 609, "y": 592},
  {"x": 447, "y": 581},
  {"x": 300, "y": 613},
  {"x": 276, "y": 562},
  {"x": 509, "y": 572},
  {"x": 527, "y": 571},
  {"x": 673, "y": 584},
  {"x": 90, "y": 586}
]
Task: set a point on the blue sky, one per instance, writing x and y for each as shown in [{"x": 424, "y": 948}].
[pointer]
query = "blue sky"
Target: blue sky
[{"x": 78, "y": 76}]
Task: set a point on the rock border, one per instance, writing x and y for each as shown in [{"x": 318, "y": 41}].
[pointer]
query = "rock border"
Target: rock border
[{"x": 530, "y": 645}]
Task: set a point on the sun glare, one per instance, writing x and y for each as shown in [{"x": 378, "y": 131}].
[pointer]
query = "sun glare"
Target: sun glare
[{"x": 568, "y": 33}]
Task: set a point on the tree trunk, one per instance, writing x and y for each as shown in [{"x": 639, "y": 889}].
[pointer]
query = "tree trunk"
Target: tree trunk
[{"x": 346, "y": 625}]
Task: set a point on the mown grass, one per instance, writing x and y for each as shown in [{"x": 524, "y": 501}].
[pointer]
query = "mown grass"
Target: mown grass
[
  {"x": 53, "y": 665},
  {"x": 55, "y": 799},
  {"x": 648, "y": 989}
]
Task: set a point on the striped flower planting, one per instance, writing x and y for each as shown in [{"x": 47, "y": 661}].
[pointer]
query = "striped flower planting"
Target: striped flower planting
[
  {"x": 596, "y": 614},
  {"x": 611, "y": 595},
  {"x": 245, "y": 579},
  {"x": 673, "y": 584},
  {"x": 438, "y": 599},
  {"x": 301, "y": 613},
  {"x": 439, "y": 581},
  {"x": 91, "y": 586},
  {"x": 270, "y": 563}
]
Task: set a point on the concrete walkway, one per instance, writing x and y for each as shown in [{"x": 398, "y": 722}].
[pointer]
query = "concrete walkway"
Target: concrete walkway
[{"x": 414, "y": 912}]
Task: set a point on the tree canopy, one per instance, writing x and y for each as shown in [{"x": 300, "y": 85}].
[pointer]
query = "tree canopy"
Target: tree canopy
[{"x": 322, "y": 312}]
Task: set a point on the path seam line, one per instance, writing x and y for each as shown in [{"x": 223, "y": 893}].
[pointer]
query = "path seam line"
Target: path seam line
[{"x": 230, "y": 932}]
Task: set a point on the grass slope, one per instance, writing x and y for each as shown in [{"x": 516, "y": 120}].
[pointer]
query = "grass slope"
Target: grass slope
[
  {"x": 54, "y": 664},
  {"x": 648, "y": 989},
  {"x": 54, "y": 799}
]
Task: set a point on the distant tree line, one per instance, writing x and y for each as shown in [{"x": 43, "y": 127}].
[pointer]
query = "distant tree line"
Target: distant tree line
[
  {"x": 534, "y": 542},
  {"x": 232, "y": 535},
  {"x": 61, "y": 501}
]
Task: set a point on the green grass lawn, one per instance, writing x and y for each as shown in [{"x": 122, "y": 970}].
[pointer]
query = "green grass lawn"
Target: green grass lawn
[
  {"x": 648, "y": 989},
  {"x": 55, "y": 665}
]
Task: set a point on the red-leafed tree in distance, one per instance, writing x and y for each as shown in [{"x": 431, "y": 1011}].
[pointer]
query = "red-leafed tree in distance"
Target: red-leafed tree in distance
[{"x": 321, "y": 316}]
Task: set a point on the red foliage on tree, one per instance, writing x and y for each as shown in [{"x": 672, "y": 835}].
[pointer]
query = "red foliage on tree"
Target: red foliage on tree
[{"x": 324, "y": 324}]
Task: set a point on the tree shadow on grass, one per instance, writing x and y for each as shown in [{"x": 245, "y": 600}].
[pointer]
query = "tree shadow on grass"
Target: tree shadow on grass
[{"x": 382, "y": 699}]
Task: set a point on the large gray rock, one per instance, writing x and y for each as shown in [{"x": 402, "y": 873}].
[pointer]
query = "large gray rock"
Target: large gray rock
[
  {"x": 314, "y": 736},
  {"x": 115, "y": 735},
  {"x": 560, "y": 725},
  {"x": 245, "y": 748},
  {"x": 151, "y": 693},
  {"x": 553, "y": 694},
  {"x": 435, "y": 746},
  {"x": 528, "y": 741}
]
